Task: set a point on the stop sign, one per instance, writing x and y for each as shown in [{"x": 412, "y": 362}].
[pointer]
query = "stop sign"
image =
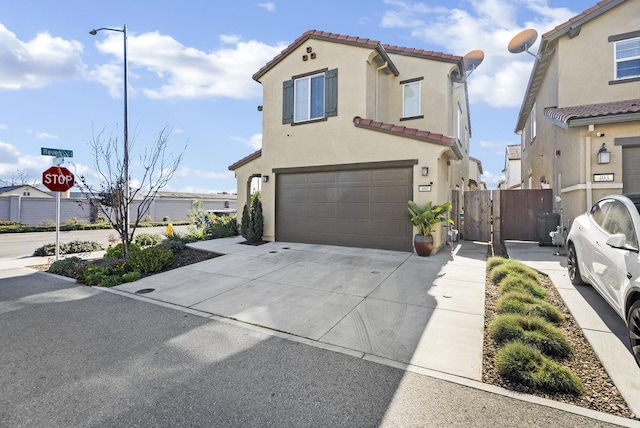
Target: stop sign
[{"x": 58, "y": 179}]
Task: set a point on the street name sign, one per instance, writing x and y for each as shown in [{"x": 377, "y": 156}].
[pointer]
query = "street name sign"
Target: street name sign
[{"x": 59, "y": 153}]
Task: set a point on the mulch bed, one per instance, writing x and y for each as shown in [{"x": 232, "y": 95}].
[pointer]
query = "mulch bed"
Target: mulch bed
[{"x": 600, "y": 393}]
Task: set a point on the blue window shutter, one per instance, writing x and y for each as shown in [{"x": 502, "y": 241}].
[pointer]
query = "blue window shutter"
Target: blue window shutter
[
  {"x": 287, "y": 102},
  {"x": 331, "y": 92}
]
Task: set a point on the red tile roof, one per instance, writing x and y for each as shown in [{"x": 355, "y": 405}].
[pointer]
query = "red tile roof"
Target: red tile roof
[
  {"x": 245, "y": 160},
  {"x": 585, "y": 15},
  {"x": 355, "y": 41},
  {"x": 403, "y": 131},
  {"x": 566, "y": 114}
]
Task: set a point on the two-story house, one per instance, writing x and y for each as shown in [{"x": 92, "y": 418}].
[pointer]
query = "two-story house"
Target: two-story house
[
  {"x": 512, "y": 167},
  {"x": 580, "y": 117},
  {"x": 352, "y": 130}
]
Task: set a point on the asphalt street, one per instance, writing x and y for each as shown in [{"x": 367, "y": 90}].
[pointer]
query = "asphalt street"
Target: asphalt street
[{"x": 78, "y": 356}]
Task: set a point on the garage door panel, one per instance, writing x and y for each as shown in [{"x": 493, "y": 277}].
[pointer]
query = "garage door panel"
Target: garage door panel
[
  {"x": 630, "y": 170},
  {"x": 357, "y": 208}
]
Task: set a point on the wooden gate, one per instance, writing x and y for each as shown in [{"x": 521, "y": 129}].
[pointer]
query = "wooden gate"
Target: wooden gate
[{"x": 507, "y": 214}]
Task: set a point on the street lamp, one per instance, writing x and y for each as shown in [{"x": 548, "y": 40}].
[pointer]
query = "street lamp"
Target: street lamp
[{"x": 123, "y": 30}]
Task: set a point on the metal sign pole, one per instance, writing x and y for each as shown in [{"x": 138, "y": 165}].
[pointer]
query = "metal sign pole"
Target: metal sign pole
[{"x": 57, "y": 225}]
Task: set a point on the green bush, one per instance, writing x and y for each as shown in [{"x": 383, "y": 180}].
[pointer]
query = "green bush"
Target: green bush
[
  {"x": 520, "y": 283},
  {"x": 523, "y": 364},
  {"x": 525, "y": 304},
  {"x": 533, "y": 331},
  {"x": 147, "y": 239},
  {"x": 176, "y": 243},
  {"x": 495, "y": 261},
  {"x": 131, "y": 276},
  {"x": 73, "y": 247},
  {"x": 150, "y": 260},
  {"x": 222, "y": 227},
  {"x": 244, "y": 224},
  {"x": 103, "y": 276},
  {"x": 116, "y": 251},
  {"x": 510, "y": 266},
  {"x": 69, "y": 267}
]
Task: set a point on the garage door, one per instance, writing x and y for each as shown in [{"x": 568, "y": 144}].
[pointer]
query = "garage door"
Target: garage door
[
  {"x": 356, "y": 208},
  {"x": 630, "y": 170}
]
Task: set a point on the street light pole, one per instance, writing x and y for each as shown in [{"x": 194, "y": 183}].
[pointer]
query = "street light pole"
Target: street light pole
[{"x": 125, "y": 180}]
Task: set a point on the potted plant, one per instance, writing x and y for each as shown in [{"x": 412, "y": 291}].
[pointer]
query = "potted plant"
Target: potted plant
[{"x": 425, "y": 219}]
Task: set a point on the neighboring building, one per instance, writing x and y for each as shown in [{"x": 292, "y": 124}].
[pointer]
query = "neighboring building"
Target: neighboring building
[
  {"x": 512, "y": 167},
  {"x": 475, "y": 175},
  {"x": 583, "y": 98},
  {"x": 23, "y": 190},
  {"x": 352, "y": 130}
]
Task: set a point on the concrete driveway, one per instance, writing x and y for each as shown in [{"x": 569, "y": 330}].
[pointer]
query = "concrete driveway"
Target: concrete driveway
[{"x": 376, "y": 304}]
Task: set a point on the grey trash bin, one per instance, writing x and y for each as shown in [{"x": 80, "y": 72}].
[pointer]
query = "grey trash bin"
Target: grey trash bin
[{"x": 547, "y": 223}]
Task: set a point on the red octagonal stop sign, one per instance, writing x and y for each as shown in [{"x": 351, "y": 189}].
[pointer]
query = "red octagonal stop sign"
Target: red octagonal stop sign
[{"x": 58, "y": 179}]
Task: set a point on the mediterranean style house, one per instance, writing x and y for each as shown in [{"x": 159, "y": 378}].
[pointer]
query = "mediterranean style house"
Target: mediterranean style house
[
  {"x": 580, "y": 117},
  {"x": 352, "y": 130},
  {"x": 512, "y": 168}
]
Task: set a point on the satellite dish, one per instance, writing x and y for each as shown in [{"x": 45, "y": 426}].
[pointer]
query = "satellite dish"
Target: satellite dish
[
  {"x": 522, "y": 41},
  {"x": 470, "y": 62}
]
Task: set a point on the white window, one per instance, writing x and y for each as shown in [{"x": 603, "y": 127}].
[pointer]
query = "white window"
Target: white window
[
  {"x": 533, "y": 123},
  {"x": 459, "y": 134},
  {"x": 309, "y": 98},
  {"x": 411, "y": 99},
  {"x": 627, "y": 58}
]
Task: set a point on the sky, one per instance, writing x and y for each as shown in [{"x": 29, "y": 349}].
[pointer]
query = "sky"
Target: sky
[{"x": 190, "y": 65}]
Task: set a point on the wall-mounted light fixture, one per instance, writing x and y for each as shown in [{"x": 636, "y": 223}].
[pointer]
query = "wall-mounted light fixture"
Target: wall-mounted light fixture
[
  {"x": 425, "y": 171},
  {"x": 604, "y": 155},
  {"x": 265, "y": 178}
]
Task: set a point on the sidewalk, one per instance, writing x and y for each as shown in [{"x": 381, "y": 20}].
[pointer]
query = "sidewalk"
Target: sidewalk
[{"x": 603, "y": 328}]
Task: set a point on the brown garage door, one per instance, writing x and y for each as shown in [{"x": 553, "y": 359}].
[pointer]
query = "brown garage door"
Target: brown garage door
[
  {"x": 630, "y": 170},
  {"x": 356, "y": 208}
]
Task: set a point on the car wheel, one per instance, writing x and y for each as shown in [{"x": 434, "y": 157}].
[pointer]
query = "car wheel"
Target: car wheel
[
  {"x": 572, "y": 266},
  {"x": 633, "y": 323}
]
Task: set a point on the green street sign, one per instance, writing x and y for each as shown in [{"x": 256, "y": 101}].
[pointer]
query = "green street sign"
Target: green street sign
[{"x": 59, "y": 153}]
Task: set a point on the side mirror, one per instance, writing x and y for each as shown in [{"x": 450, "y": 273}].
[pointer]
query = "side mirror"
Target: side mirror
[{"x": 618, "y": 240}]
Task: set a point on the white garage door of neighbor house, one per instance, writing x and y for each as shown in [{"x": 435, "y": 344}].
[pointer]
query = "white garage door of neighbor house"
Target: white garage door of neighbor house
[{"x": 355, "y": 208}]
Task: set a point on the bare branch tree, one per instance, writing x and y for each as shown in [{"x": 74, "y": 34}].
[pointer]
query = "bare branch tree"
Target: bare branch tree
[
  {"x": 19, "y": 178},
  {"x": 110, "y": 197}
]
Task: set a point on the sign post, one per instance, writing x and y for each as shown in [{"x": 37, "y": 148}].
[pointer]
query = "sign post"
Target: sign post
[{"x": 58, "y": 179}]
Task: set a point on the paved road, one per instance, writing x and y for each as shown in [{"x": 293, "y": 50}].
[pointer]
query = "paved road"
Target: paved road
[
  {"x": 13, "y": 245},
  {"x": 77, "y": 356}
]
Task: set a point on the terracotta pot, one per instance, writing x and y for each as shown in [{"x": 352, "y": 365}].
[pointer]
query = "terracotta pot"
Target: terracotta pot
[{"x": 423, "y": 245}]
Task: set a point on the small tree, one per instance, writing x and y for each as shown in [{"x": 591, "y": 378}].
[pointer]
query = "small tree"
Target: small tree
[
  {"x": 255, "y": 226},
  {"x": 157, "y": 166},
  {"x": 244, "y": 225}
]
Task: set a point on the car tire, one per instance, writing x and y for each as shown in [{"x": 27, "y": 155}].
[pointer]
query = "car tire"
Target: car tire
[
  {"x": 633, "y": 326},
  {"x": 572, "y": 266}
]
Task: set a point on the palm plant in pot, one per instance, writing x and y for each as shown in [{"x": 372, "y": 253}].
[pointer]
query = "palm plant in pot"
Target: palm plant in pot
[{"x": 425, "y": 220}]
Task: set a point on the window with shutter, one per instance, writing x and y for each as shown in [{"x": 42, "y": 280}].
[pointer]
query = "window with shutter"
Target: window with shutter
[{"x": 310, "y": 97}]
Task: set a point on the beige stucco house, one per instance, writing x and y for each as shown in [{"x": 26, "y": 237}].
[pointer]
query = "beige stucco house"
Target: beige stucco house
[
  {"x": 475, "y": 175},
  {"x": 580, "y": 117},
  {"x": 512, "y": 168},
  {"x": 352, "y": 130},
  {"x": 24, "y": 191}
]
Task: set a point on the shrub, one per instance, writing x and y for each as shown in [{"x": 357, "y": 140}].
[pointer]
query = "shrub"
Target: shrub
[
  {"x": 520, "y": 363},
  {"x": 166, "y": 219},
  {"x": 147, "y": 239},
  {"x": 103, "y": 276},
  {"x": 256, "y": 220},
  {"x": 175, "y": 243},
  {"x": 147, "y": 219},
  {"x": 70, "y": 267},
  {"x": 72, "y": 247},
  {"x": 244, "y": 225},
  {"x": 533, "y": 331},
  {"x": 525, "y": 304},
  {"x": 222, "y": 227},
  {"x": 521, "y": 283},
  {"x": 495, "y": 261},
  {"x": 72, "y": 221},
  {"x": 512, "y": 266},
  {"x": 150, "y": 260},
  {"x": 116, "y": 251},
  {"x": 131, "y": 276}
]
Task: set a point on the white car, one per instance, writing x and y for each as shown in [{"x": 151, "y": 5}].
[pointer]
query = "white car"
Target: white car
[{"x": 603, "y": 250}]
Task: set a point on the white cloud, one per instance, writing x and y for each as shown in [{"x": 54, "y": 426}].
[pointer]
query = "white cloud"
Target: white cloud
[
  {"x": 13, "y": 163},
  {"x": 255, "y": 141},
  {"x": 230, "y": 39},
  {"x": 185, "y": 72},
  {"x": 46, "y": 136},
  {"x": 501, "y": 80},
  {"x": 269, "y": 6},
  {"x": 183, "y": 172},
  {"x": 491, "y": 180},
  {"x": 38, "y": 62}
]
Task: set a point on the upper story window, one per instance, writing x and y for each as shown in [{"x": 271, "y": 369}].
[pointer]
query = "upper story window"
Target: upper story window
[
  {"x": 310, "y": 97},
  {"x": 627, "y": 58},
  {"x": 533, "y": 123},
  {"x": 460, "y": 125},
  {"x": 411, "y": 99}
]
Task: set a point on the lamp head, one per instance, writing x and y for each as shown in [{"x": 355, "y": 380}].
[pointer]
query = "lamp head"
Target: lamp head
[{"x": 93, "y": 32}]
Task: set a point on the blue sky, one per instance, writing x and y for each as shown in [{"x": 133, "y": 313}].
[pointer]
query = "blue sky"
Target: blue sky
[{"x": 190, "y": 68}]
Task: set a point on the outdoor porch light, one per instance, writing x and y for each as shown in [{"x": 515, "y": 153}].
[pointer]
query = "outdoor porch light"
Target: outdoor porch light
[
  {"x": 604, "y": 155},
  {"x": 265, "y": 178},
  {"x": 425, "y": 171}
]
